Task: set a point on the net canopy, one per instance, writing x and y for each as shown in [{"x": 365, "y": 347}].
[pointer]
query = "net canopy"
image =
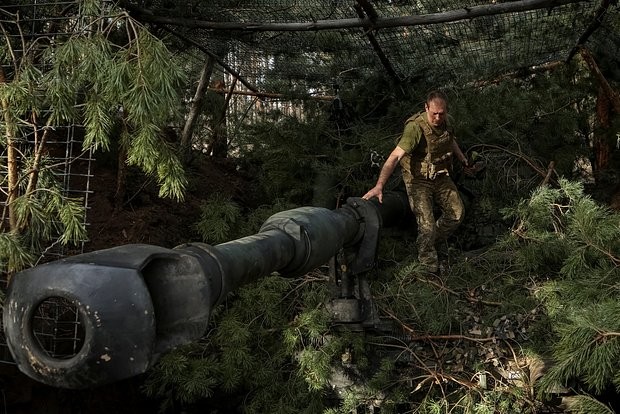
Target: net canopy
[{"x": 276, "y": 45}]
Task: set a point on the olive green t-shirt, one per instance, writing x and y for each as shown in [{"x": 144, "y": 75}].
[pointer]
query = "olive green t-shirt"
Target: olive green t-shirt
[{"x": 412, "y": 134}]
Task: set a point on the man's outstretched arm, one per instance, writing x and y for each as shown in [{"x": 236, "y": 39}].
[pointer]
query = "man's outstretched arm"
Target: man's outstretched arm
[{"x": 386, "y": 171}]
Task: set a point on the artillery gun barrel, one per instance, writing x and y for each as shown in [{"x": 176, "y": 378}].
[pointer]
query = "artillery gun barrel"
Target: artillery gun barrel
[{"x": 134, "y": 302}]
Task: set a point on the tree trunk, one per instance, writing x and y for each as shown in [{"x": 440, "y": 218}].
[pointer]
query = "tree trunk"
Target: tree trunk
[
  {"x": 12, "y": 171},
  {"x": 201, "y": 90},
  {"x": 33, "y": 173},
  {"x": 600, "y": 141},
  {"x": 38, "y": 154},
  {"x": 121, "y": 177},
  {"x": 219, "y": 144},
  {"x": 607, "y": 105}
]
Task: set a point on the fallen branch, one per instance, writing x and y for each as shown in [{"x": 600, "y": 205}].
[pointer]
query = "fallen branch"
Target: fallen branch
[
  {"x": 550, "y": 170},
  {"x": 425, "y": 338},
  {"x": 517, "y": 155},
  {"x": 455, "y": 293},
  {"x": 272, "y": 95}
]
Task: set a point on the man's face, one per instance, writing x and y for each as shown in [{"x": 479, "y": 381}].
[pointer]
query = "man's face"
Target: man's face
[{"x": 436, "y": 112}]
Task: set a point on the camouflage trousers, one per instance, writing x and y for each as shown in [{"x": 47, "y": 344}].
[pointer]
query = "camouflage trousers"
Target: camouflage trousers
[{"x": 423, "y": 195}]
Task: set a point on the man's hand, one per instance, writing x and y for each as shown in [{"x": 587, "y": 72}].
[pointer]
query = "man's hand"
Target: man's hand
[
  {"x": 387, "y": 169},
  {"x": 467, "y": 168},
  {"x": 376, "y": 191}
]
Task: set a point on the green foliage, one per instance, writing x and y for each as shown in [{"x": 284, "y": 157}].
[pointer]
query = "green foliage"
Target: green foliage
[
  {"x": 518, "y": 279},
  {"x": 541, "y": 107},
  {"x": 273, "y": 348},
  {"x": 50, "y": 215},
  {"x": 45, "y": 216},
  {"x": 109, "y": 74},
  {"x": 310, "y": 159},
  {"x": 218, "y": 216},
  {"x": 578, "y": 234},
  {"x": 281, "y": 153},
  {"x": 581, "y": 298},
  {"x": 13, "y": 253},
  {"x": 71, "y": 215},
  {"x": 129, "y": 77},
  {"x": 316, "y": 368},
  {"x": 586, "y": 404},
  {"x": 558, "y": 269},
  {"x": 545, "y": 117},
  {"x": 111, "y": 71},
  {"x": 497, "y": 401},
  {"x": 420, "y": 305},
  {"x": 104, "y": 73},
  {"x": 588, "y": 348},
  {"x": 245, "y": 356},
  {"x": 196, "y": 378}
]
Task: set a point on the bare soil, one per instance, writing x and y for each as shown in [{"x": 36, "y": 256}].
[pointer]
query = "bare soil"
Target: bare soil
[{"x": 147, "y": 218}]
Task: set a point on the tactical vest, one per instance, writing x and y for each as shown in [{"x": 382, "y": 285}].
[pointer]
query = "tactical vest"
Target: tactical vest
[{"x": 432, "y": 154}]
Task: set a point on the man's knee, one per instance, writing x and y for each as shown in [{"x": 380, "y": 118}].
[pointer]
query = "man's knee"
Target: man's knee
[{"x": 454, "y": 212}]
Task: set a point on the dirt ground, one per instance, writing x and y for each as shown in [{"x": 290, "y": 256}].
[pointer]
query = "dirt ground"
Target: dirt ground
[{"x": 147, "y": 218}]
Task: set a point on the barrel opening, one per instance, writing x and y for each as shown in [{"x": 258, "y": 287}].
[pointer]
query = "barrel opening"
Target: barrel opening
[{"x": 57, "y": 328}]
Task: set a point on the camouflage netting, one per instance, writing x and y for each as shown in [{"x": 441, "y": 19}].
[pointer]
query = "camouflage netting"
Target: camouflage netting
[{"x": 278, "y": 45}]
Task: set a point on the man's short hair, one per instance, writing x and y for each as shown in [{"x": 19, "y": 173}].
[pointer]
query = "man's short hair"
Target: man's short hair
[{"x": 436, "y": 94}]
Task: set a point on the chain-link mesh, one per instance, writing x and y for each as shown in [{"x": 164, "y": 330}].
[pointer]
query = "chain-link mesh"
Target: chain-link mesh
[{"x": 53, "y": 21}]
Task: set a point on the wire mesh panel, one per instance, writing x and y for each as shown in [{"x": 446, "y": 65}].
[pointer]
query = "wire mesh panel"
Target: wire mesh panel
[
  {"x": 30, "y": 26},
  {"x": 58, "y": 328}
]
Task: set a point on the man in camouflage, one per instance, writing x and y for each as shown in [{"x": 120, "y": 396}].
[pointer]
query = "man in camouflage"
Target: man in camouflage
[{"x": 425, "y": 151}]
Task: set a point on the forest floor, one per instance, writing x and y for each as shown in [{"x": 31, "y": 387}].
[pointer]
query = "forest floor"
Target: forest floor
[
  {"x": 143, "y": 218},
  {"x": 147, "y": 218}
]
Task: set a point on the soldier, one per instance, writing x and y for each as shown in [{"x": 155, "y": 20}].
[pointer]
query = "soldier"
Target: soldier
[{"x": 424, "y": 152}]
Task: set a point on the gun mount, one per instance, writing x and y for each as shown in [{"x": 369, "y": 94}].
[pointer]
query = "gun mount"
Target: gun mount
[{"x": 135, "y": 302}]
